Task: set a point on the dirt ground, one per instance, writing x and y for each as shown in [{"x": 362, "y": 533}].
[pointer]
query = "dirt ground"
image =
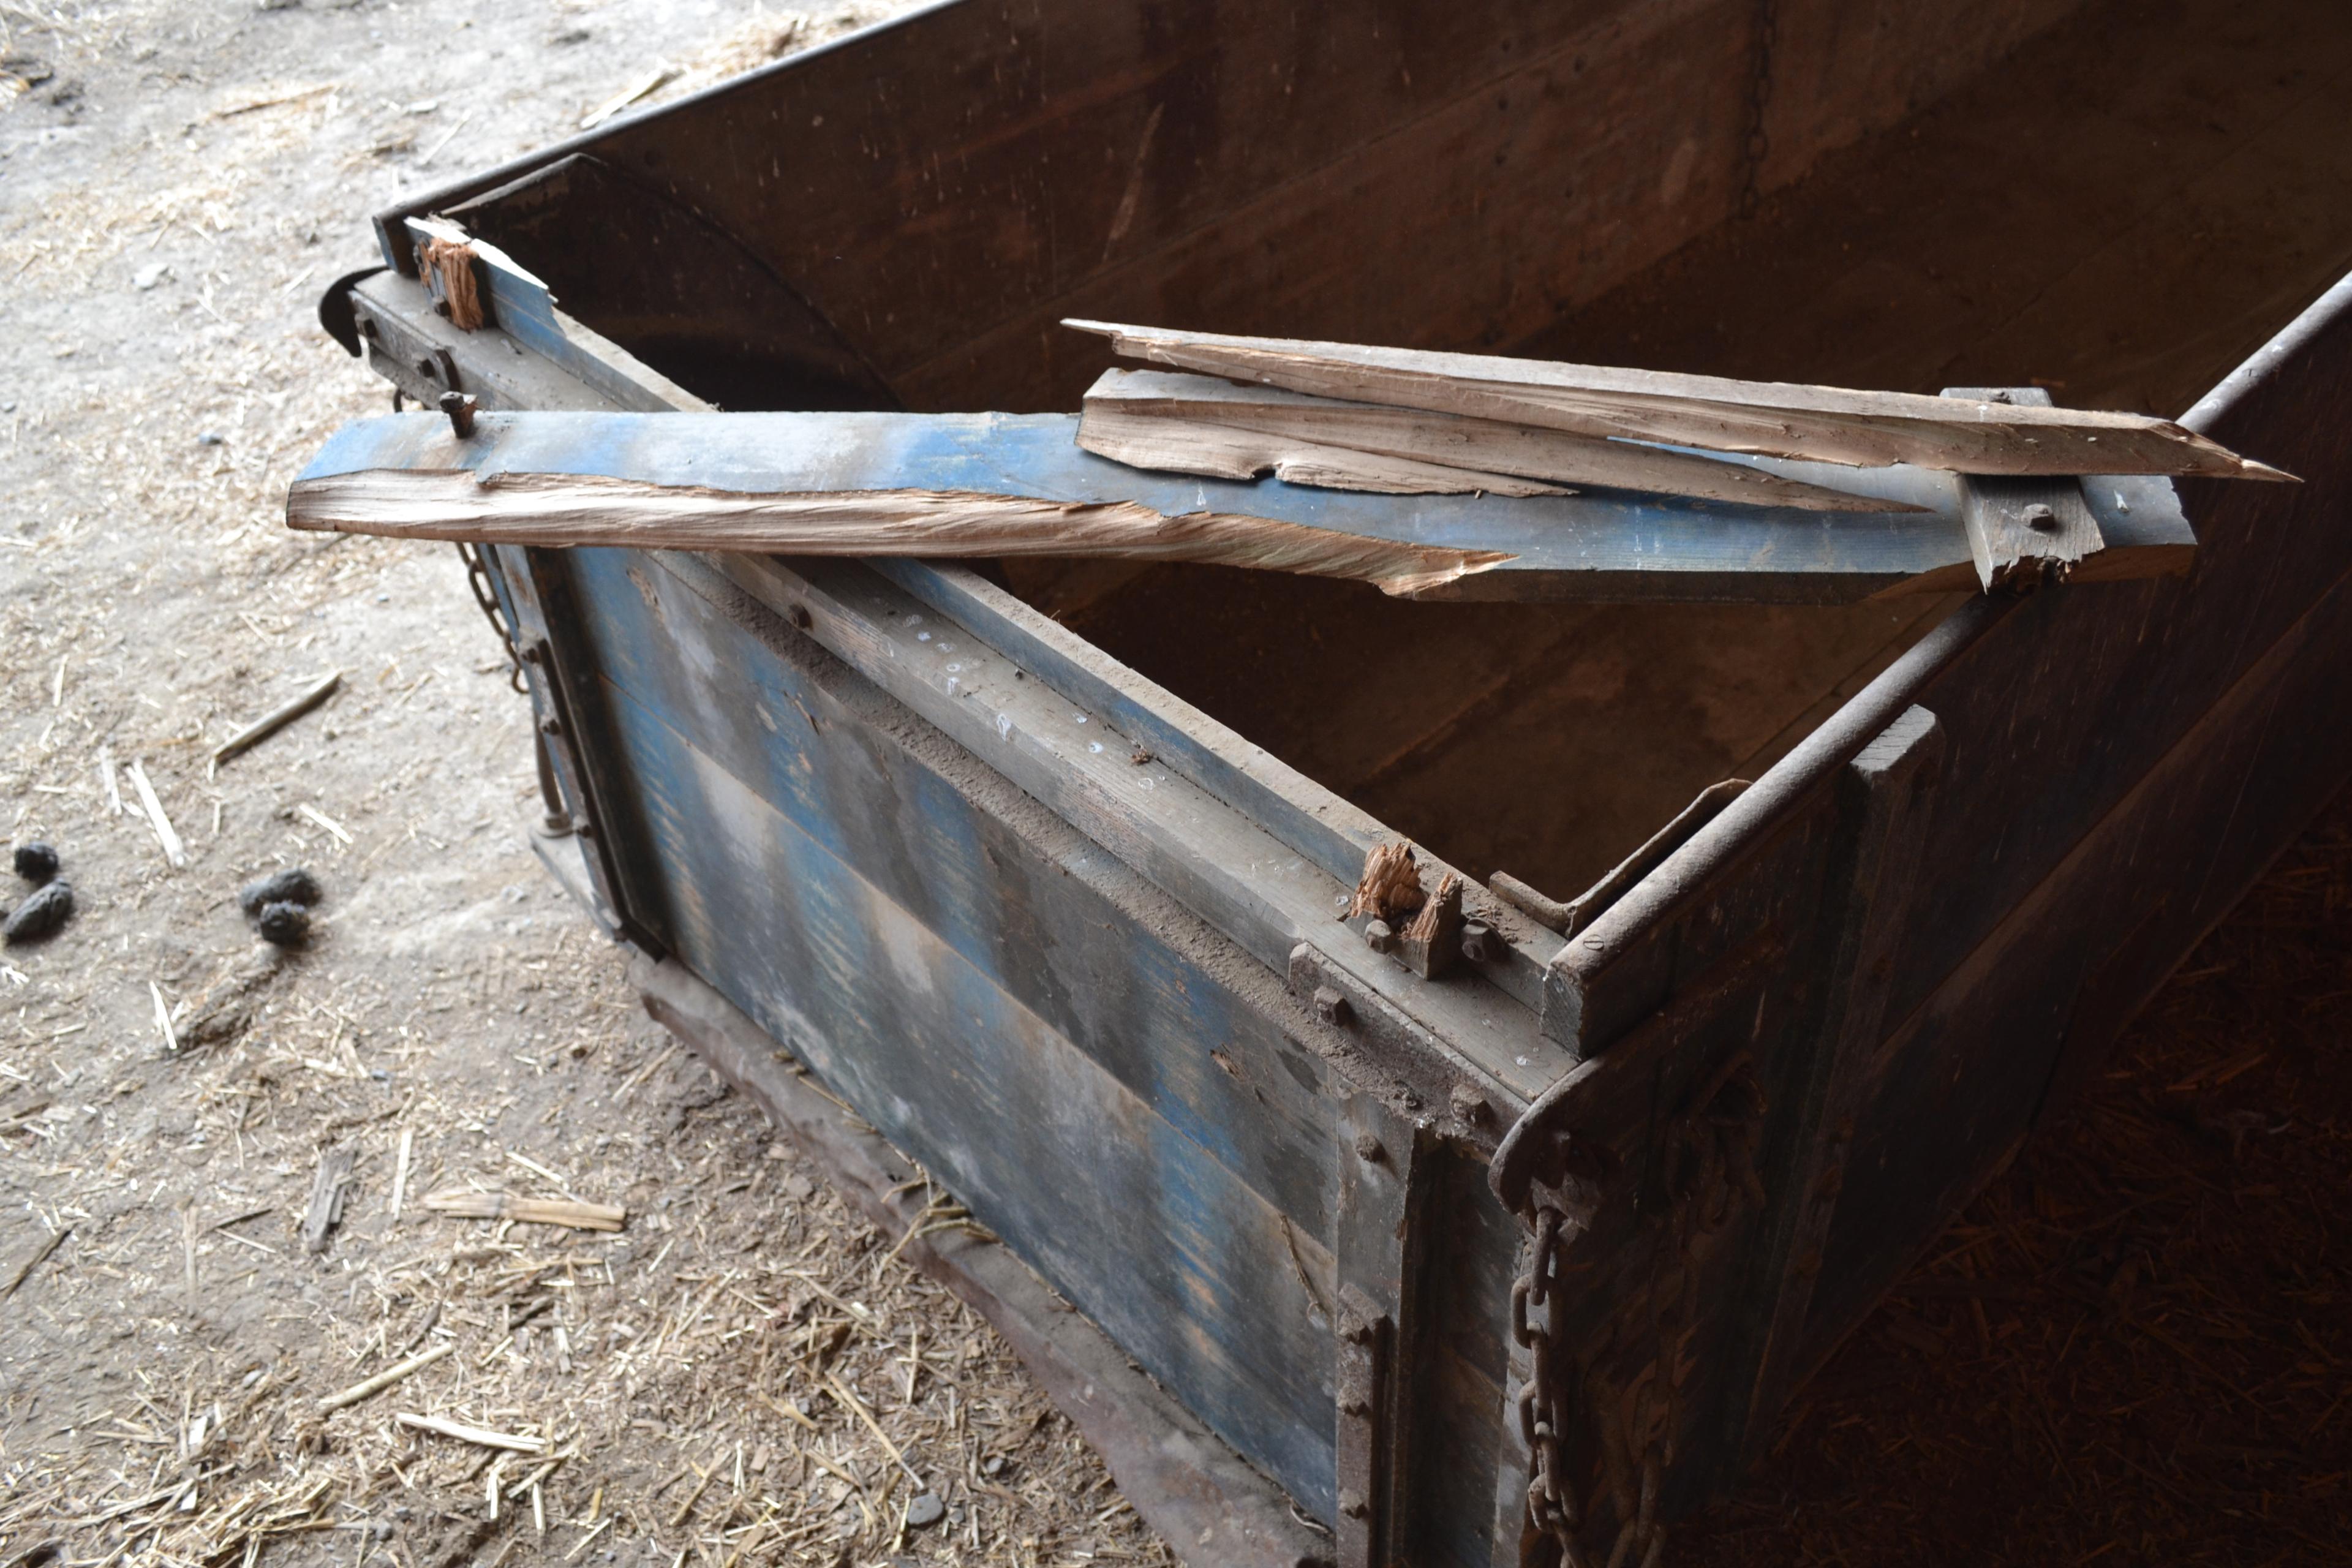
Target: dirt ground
[
  {"x": 179, "y": 180},
  {"x": 2133, "y": 1349}
]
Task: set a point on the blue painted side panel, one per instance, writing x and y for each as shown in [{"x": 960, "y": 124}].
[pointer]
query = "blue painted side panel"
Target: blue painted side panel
[
  {"x": 1088, "y": 1123},
  {"x": 1597, "y": 543}
]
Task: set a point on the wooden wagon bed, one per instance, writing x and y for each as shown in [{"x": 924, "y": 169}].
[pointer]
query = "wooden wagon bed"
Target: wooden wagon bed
[{"x": 1038, "y": 865}]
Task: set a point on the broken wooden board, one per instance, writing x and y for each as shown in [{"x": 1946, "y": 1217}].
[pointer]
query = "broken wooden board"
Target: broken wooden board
[
  {"x": 1203, "y": 425},
  {"x": 1775, "y": 419},
  {"x": 995, "y": 484}
]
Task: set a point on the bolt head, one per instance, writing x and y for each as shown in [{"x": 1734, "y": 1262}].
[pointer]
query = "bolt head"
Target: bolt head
[
  {"x": 1332, "y": 1008},
  {"x": 2039, "y": 519},
  {"x": 1378, "y": 936},
  {"x": 1470, "y": 1105},
  {"x": 1353, "y": 1503},
  {"x": 1478, "y": 944},
  {"x": 1368, "y": 1149}
]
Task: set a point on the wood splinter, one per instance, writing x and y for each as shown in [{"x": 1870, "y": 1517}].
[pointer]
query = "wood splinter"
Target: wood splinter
[
  {"x": 1389, "y": 888},
  {"x": 1432, "y": 940}
]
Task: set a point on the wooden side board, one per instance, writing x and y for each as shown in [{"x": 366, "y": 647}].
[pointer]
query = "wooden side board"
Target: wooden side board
[
  {"x": 1154, "y": 1183},
  {"x": 997, "y": 485},
  {"x": 954, "y": 959},
  {"x": 2137, "y": 749},
  {"x": 2183, "y": 735},
  {"x": 1183, "y": 1480}
]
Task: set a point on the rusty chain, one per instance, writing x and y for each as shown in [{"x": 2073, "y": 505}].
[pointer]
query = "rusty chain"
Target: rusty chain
[
  {"x": 478, "y": 578},
  {"x": 1709, "y": 1177}
]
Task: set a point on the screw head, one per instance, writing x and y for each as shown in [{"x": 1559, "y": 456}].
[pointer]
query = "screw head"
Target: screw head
[{"x": 2039, "y": 519}]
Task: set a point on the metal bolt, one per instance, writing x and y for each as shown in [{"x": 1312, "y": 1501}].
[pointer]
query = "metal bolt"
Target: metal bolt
[
  {"x": 800, "y": 616},
  {"x": 459, "y": 407},
  {"x": 1470, "y": 1105},
  {"x": 1478, "y": 944},
  {"x": 2039, "y": 519},
  {"x": 1378, "y": 936},
  {"x": 1353, "y": 1503},
  {"x": 1355, "y": 1405},
  {"x": 1369, "y": 1150},
  {"x": 550, "y": 727},
  {"x": 1332, "y": 1008}
]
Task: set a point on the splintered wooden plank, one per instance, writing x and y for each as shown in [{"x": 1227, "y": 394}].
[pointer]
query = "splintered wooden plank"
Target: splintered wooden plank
[
  {"x": 1776, "y": 419},
  {"x": 984, "y": 485},
  {"x": 1202, "y": 424}
]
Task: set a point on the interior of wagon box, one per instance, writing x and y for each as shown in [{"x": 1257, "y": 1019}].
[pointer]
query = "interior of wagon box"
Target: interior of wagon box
[
  {"x": 2124, "y": 247},
  {"x": 2111, "y": 209}
]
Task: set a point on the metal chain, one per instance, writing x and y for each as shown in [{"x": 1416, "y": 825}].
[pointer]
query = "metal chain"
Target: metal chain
[
  {"x": 1755, "y": 144},
  {"x": 1710, "y": 1178},
  {"x": 478, "y": 578}
]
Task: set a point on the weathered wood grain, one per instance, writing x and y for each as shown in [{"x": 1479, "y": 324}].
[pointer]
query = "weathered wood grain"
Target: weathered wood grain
[
  {"x": 563, "y": 511},
  {"x": 1203, "y": 425},
  {"x": 1332, "y": 832},
  {"x": 1233, "y": 873},
  {"x": 1773, "y": 419},
  {"x": 994, "y": 484},
  {"x": 1185, "y": 1482},
  {"x": 1113, "y": 965},
  {"x": 2023, "y": 525},
  {"x": 1196, "y": 1276}
]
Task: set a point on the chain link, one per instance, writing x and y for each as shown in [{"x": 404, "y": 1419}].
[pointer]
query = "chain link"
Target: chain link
[
  {"x": 1709, "y": 1177},
  {"x": 478, "y": 578}
]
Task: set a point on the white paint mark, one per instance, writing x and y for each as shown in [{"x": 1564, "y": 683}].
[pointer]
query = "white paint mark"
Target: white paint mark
[
  {"x": 956, "y": 668},
  {"x": 922, "y": 637},
  {"x": 913, "y": 621},
  {"x": 1094, "y": 746},
  {"x": 1077, "y": 718},
  {"x": 1004, "y": 726},
  {"x": 1521, "y": 1060}
]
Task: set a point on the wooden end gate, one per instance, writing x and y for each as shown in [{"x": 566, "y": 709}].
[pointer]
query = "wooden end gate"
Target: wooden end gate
[{"x": 1519, "y": 1263}]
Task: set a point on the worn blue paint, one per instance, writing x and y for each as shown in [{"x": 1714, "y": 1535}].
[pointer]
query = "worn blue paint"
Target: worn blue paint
[
  {"x": 1178, "y": 1262},
  {"x": 1614, "y": 544},
  {"x": 1046, "y": 932}
]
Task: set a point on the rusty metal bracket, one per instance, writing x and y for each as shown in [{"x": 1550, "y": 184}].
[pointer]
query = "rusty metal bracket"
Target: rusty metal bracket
[
  {"x": 1403, "y": 1060},
  {"x": 557, "y": 718},
  {"x": 1367, "y": 1337},
  {"x": 2023, "y": 530},
  {"x": 1573, "y": 916}
]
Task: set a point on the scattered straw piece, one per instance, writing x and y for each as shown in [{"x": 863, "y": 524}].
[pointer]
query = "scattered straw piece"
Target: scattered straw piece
[
  {"x": 482, "y": 1436},
  {"x": 173, "y": 851},
  {"x": 527, "y": 1211},
  {"x": 368, "y": 1386}
]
